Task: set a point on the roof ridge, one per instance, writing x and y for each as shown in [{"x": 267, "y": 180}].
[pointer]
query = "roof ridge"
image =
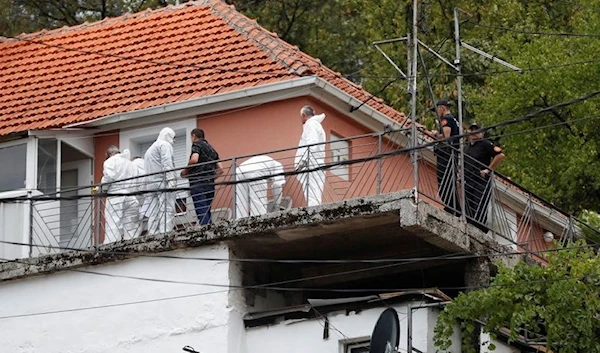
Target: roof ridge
[
  {"x": 107, "y": 21},
  {"x": 266, "y": 40}
]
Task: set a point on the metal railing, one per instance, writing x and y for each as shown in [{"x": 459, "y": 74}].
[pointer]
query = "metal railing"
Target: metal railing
[{"x": 253, "y": 185}]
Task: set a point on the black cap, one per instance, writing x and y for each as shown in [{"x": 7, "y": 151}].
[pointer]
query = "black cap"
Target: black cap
[
  {"x": 443, "y": 102},
  {"x": 474, "y": 126}
]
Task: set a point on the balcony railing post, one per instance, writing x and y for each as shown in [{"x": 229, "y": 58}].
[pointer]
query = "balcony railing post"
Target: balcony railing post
[
  {"x": 307, "y": 177},
  {"x": 379, "y": 162},
  {"x": 98, "y": 209},
  {"x": 571, "y": 230},
  {"x": 166, "y": 198},
  {"x": 493, "y": 202},
  {"x": 234, "y": 186},
  {"x": 30, "y": 202}
]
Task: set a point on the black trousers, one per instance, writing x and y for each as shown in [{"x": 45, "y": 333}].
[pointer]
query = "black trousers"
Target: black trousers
[
  {"x": 478, "y": 193},
  {"x": 446, "y": 178}
]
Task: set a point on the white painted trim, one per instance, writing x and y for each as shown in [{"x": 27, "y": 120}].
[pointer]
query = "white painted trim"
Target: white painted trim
[
  {"x": 211, "y": 103},
  {"x": 31, "y": 163},
  {"x": 82, "y": 141}
]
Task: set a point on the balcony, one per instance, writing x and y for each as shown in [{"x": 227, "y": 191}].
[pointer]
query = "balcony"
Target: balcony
[{"x": 354, "y": 168}]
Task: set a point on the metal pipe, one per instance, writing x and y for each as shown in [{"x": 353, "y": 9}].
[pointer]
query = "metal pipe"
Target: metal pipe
[
  {"x": 409, "y": 322},
  {"x": 461, "y": 148},
  {"x": 390, "y": 61},
  {"x": 488, "y": 56},
  {"x": 447, "y": 62},
  {"x": 393, "y": 40},
  {"x": 413, "y": 101}
]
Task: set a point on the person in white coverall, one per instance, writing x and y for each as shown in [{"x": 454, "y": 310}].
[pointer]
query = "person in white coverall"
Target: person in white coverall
[
  {"x": 159, "y": 163},
  {"x": 121, "y": 213},
  {"x": 251, "y": 197},
  {"x": 309, "y": 157}
]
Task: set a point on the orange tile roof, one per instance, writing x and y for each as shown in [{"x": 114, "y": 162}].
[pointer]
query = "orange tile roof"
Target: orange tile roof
[{"x": 75, "y": 74}]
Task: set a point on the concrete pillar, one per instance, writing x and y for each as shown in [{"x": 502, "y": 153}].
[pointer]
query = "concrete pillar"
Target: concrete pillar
[{"x": 477, "y": 273}]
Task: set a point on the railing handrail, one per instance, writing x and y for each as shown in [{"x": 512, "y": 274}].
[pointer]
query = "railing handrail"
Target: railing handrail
[
  {"x": 505, "y": 179},
  {"x": 287, "y": 149}
]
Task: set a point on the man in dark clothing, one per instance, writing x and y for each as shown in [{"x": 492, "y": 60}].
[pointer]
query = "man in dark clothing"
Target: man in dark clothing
[
  {"x": 447, "y": 154},
  {"x": 203, "y": 168},
  {"x": 481, "y": 156}
]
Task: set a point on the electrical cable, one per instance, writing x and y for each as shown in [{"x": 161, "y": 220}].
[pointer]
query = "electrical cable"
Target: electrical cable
[
  {"x": 333, "y": 164},
  {"x": 358, "y": 290},
  {"x": 497, "y": 72},
  {"x": 541, "y": 33},
  {"x": 452, "y": 256}
]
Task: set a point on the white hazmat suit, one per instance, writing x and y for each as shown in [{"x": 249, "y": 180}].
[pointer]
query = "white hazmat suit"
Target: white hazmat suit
[
  {"x": 159, "y": 163},
  {"x": 251, "y": 197},
  {"x": 141, "y": 185},
  {"x": 122, "y": 212},
  {"x": 309, "y": 157}
]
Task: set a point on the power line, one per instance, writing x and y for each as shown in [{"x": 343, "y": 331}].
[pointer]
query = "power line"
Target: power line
[
  {"x": 526, "y": 117},
  {"x": 356, "y": 290},
  {"x": 498, "y": 72},
  {"x": 541, "y": 33}
]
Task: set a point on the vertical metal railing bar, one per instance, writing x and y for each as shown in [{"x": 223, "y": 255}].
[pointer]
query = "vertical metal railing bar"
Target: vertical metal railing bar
[{"x": 379, "y": 162}]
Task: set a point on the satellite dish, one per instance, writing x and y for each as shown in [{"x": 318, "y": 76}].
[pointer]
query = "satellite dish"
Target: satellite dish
[{"x": 386, "y": 334}]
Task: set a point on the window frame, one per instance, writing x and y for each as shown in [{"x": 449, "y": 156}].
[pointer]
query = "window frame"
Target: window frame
[
  {"x": 341, "y": 171},
  {"x": 30, "y": 166},
  {"x": 136, "y": 135},
  {"x": 346, "y": 345}
]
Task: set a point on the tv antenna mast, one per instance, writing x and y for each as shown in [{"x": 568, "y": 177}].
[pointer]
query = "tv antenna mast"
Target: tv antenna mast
[{"x": 413, "y": 52}]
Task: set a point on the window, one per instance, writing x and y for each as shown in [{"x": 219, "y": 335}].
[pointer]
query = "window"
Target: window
[
  {"x": 14, "y": 160},
  {"x": 361, "y": 346},
  {"x": 340, "y": 152},
  {"x": 46, "y": 174}
]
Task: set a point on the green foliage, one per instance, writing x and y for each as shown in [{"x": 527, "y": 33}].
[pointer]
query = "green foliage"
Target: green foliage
[{"x": 559, "y": 303}]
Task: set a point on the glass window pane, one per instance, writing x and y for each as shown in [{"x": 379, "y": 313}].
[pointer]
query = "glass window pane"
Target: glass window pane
[
  {"x": 46, "y": 173},
  {"x": 12, "y": 174}
]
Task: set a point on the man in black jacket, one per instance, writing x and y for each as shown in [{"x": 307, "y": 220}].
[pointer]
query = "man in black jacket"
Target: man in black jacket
[
  {"x": 203, "y": 168},
  {"x": 446, "y": 154},
  {"x": 481, "y": 157}
]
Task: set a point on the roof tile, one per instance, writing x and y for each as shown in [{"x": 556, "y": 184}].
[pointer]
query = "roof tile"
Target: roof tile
[{"x": 76, "y": 74}]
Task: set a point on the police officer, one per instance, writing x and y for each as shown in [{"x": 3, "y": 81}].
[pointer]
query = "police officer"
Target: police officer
[
  {"x": 481, "y": 157},
  {"x": 447, "y": 153}
]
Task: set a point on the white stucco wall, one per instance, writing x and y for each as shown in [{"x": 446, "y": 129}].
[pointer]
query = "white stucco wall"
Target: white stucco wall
[
  {"x": 501, "y": 347},
  {"x": 200, "y": 321},
  {"x": 307, "y": 335}
]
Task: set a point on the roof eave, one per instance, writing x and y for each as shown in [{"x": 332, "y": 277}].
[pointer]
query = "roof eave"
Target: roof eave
[{"x": 213, "y": 103}]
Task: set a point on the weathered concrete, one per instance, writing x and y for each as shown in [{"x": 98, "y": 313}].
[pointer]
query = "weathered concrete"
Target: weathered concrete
[{"x": 396, "y": 210}]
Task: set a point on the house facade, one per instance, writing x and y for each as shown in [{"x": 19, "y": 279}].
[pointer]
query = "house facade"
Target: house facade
[{"x": 69, "y": 94}]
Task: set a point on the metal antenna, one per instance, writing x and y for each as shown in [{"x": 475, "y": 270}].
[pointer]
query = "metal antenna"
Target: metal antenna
[
  {"x": 457, "y": 67},
  {"x": 412, "y": 52},
  {"x": 412, "y": 89}
]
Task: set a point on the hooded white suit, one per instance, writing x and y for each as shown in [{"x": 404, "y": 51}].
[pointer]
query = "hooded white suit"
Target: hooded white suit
[
  {"x": 251, "y": 197},
  {"x": 141, "y": 184},
  {"x": 121, "y": 214},
  {"x": 312, "y": 157},
  {"x": 159, "y": 163}
]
